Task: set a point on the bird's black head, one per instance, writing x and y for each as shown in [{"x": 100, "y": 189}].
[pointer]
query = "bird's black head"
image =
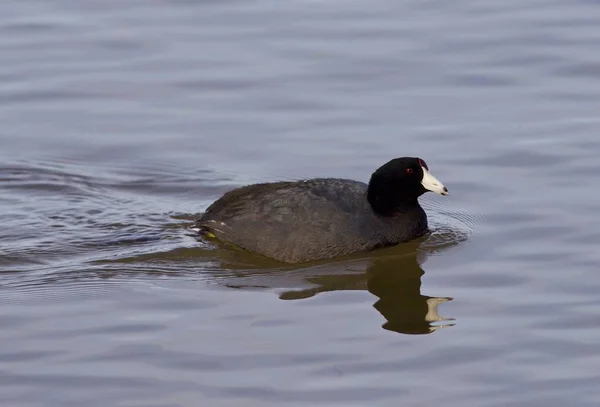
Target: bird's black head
[{"x": 398, "y": 183}]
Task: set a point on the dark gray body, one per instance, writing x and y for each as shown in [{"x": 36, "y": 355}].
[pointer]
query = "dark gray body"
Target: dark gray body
[{"x": 308, "y": 220}]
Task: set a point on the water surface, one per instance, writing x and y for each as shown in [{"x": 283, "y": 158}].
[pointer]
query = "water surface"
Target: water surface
[{"x": 122, "y": 121}]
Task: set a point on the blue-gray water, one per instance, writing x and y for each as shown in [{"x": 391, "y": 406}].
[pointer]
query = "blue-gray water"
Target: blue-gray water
[{"x": 121, "y": 121}]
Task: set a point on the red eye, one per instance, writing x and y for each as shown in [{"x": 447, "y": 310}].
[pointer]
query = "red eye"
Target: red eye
[{"x": 409, "y": 170}]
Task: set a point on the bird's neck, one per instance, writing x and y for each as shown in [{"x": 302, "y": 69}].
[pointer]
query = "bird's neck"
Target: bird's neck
[{"x": 392, "y": 203}]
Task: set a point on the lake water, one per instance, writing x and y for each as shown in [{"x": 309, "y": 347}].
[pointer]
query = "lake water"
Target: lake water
[{"x": 121, "y": 121}]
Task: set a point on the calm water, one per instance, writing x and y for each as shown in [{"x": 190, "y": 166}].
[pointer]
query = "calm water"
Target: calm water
[{"x": 121, "y": 121}]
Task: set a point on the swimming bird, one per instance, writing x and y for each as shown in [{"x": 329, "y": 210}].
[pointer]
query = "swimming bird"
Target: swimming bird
[{"x": 324, "y": 218}]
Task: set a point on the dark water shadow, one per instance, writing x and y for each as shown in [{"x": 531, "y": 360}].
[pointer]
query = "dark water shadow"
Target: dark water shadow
[
  {"x": 396, "y": 282},
  {"x": 392, "y": 275}
]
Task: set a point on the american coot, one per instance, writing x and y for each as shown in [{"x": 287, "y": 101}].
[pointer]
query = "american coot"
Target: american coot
[{"x": 324, "y": 218}]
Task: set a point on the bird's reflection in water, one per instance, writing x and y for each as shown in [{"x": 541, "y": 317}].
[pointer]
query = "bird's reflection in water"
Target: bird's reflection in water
[
  {"x": 397, "y": 285},
  {"x": 393, "y": 275},
  {"x": 396, "y": 282}
]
